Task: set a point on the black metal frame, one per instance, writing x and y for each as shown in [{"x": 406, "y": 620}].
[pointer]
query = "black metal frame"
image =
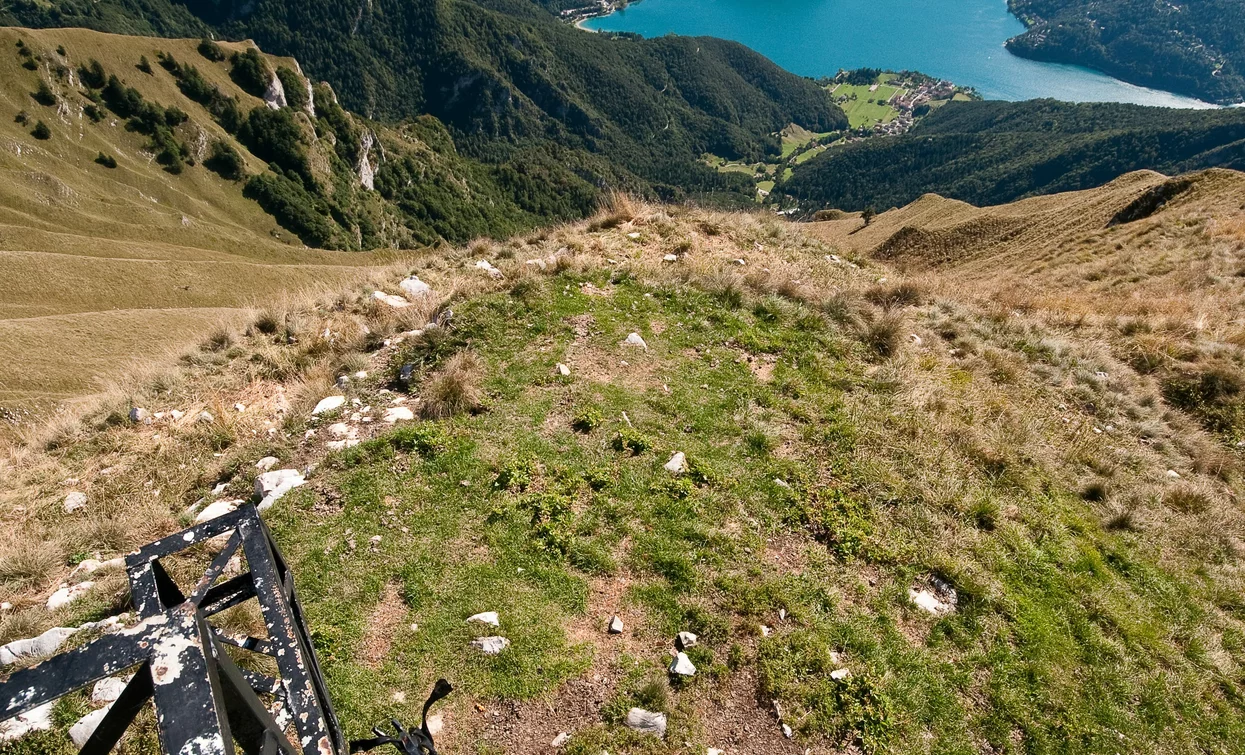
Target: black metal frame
[{"x": 203, "y": 701}]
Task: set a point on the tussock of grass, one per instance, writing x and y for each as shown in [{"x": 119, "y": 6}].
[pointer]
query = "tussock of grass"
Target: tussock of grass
[{"x": 452, "y": 389}]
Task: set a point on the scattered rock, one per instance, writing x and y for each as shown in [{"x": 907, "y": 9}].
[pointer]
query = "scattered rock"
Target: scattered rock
[
  {"x": 491, "y": 645},
  {"x": 45, "y": 644},
  {"x": 92, "y": 565},
  {"x": 765, "y": 631},
  {"x": 616, "y": 626},
  {"x": 107, "y": 690},
  {"x": 914, "y": 338},
  {"x": 487, "y": 267},
  {"x": 436, "y": 724},
  {"x": 1173, "y": 474},
  {"x": 341, "y": 430},
  {"x": 266, "y": 463},
  {"x": 74, "y": 501},
  {"x": 271, "y": 486},
  {"x": 682, "y": 665},
  {"x": 677, "y": 463},
  {"x": 68, "y": 594},
  {"x": 670, "y": 258},
  {"x": 343, "y": 381},
  {"x": 216, "y": 509},
  {"x": 205, "y": 417},
  {"x": 414, "y": 288},
  {"x": 560, "y": 740},
  {"x": 488, "y": 617},
  {"x": 563, "y": 370},
  {"x": 328, "y": 404},
  {"x": 81, "y": 731},
  {"x": 337, "y": 445},
  {"x": 740, "y": 261},
  {"x": 787, "y": 732},
  {"x": 647, "y": 722},
  {"x": 633, "y": 235},
  {"x": 176, "y": 414},
  {"x": 39, "y": 719},
  {"x": 938, "y": 599},
  {"x": 138, "y": 414},
  {"x": 715, "y": 751},
  {"x": 396, "y": 414},
  {"x": 634, "y": 339},
  {"x": 397, "y": 302},
  {"x": 686, "y": 640},
  {"x": 239, "y": 407},
  {"x": 840, "y": 674}
]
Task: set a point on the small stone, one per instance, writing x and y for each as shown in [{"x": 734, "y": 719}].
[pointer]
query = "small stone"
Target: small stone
[
  {"x": 395, "y": 414},
  {"x": 239, "y": 407},
  {"x": 74, "y": 501},
  {"x": 68, "y": 594},
  {"x": 677, "y": 463},
  {"x": 740, "y": 261},
  {"x": 38, "y": 719},
  {"x": 646, "y": 722},
  {"x": 682, "y": 665},
  {"x": 670, "y": 258},
  {"x": 840, "y": 674},
  {"x": 436, "y": 724},
  {"x": 176, "y": 414},
  {"x": 140, "y": 415},
  {"x": 765, "y": 631},
  {"x": 715, "y": 751},
  {"x": 92, "y": 565},
  {"x": 634, "y": 339},
  {"x": 782, "y": 483},
  {"x": 616, "y": 626},
  {"x": 271, "y": 486},
  {"x": 343, "y": 381},
  {"x": 360, "y": 375},
  {"x": 786, "y": 731},
  {"x": 1173, "y": 474},
  {"x": 914, "y": 338},
  {"x": 488, "y": 617},
  {"x": 205, "y": 417},
  {"x": 491, "y": 645},
  {"x": 633, "y": 235},
  {"x": 686, "y": 640},
  {"x": 560, "y": 740},
  {"x": 328, "y": 404},
  {"x": 340, "y": 430},
  {"x": 107, "y": 690},
  {"x": 397, "y": 302},
  {"x": 414, "y": 288},
  {"x": 487, "y": 267},
  {"x": 217, "y": 509},
  {"x": 563, "y": 370},
  {"x": 266, "y": 463}
]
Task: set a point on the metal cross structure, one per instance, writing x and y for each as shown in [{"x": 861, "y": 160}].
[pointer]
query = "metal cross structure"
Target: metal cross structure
[{"x": 204, "y": 702}]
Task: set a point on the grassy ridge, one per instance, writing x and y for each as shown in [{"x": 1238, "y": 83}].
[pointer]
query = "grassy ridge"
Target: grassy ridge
[{"x": 835, "y": 462}]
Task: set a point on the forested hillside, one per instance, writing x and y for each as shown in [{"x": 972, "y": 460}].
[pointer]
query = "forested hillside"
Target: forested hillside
[
  {"x": 1192, "y": 47},
  {"x": 995, "y": 152},
  {"x": 511, "y": 82}
]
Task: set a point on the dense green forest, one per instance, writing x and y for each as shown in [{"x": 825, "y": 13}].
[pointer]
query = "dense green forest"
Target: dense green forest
[
  {"x": 994, "y": 152},
  {"x": 513, "y": 85},
  {"x": 1193, "y": 47}
]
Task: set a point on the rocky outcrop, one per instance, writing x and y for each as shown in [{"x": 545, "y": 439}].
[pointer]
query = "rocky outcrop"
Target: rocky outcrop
[{"x": 274, "y": 95}]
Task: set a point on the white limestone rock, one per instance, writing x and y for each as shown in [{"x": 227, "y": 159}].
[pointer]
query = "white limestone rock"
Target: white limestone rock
[
  {"x": 39, "y": 719},
  {"x": 68, "y": 594},
  {"x": 274, "y": 95},
  {"x": 92, "y": 565},
  {"x": 414, "y": 288},
  {"x": 563, "y": 370},
  {"x": 488, "y": 617},
  {"x": 217, "y": 509},
  {"x": 81, "y": 731},
  {"x": 108, "y": 690},
  {"x": 646, "y": 722},
  {"x": 491, "y": 645},
  {"x": 271, "y": 486},
  {"x": 487, "y": 267},
  {"x": 634, "y": 339},
  {"x": 616, "y": 626},
  {"x": 682, "y": 665},
  {"x": 32, "y": 647},
  {"x": 139, "y": 415},
  {"x": 677, "y": 463},
  {"x": 328, "y": 404},
  {"x": 266, "y": 463},
  {"x": 74, "y": 501},
  {"x": 397, "y": 302},
  {"x": 395, "y": 414},
  {"x": 686, "y": 640}
]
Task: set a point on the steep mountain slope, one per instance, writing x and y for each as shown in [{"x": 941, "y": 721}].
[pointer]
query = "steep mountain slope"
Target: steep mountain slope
[
  {"x": 1150, "y": 265},
  {"x": 997, "y": 152},
  {"x": 917, "y": 515},
  {"x": 1195, "y": 48},
  {"x": 513, "y": 82}
]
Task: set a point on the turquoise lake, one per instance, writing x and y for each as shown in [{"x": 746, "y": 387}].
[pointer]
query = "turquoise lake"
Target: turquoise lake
[{"x": 959, "y": 40}]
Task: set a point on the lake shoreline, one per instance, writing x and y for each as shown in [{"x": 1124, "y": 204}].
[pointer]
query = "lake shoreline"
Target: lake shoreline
[{"x": 960, "y": 42}]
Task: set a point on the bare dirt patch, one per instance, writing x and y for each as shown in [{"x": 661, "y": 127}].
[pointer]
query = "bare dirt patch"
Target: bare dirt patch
[{"x": 386, "y": 618}]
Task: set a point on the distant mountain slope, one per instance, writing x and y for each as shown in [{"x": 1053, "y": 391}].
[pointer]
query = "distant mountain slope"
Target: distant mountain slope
[
  {"x": 996, "y": 152},
  {"x": 1195, "y": 47},
  {"x": 510, "y": 80}
]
